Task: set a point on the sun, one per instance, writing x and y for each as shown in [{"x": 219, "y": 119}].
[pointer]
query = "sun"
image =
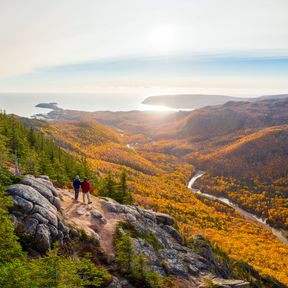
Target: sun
[{"x": 162, "y": 38}]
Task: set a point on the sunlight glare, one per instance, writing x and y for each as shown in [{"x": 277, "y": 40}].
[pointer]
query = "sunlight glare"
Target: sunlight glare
[
  {"x": 162, "y": 38},
  {"x": 157, "y": 108}
]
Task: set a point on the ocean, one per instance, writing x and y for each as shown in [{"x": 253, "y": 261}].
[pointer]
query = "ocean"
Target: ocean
[{"x": 23, "y": 104}]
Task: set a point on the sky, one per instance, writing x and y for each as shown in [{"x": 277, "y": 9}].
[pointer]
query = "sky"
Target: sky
[{"x": 144, "y": 47}]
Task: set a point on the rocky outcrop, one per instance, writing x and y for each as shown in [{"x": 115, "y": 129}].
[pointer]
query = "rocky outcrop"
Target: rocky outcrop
[
  {"x": 36, "y": 213},
  {"x": 38, "y": 219},
  {"x": 164, "y": 249}
]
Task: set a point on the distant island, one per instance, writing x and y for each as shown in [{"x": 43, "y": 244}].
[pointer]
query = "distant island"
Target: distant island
[
  {"x": 52, "y": 106},
  {"x": 195, "y": 101}
]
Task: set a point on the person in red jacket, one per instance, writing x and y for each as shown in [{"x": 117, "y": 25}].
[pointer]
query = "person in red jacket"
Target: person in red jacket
[{"x": 85, "y": 186}]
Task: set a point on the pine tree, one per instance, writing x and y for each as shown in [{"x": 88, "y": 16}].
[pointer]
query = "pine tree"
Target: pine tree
[
  {"x": 125, "y": 196},
  {"x": 32, "y": 137},
  {"x": 33, "y": 153},
  {"x": 9, "y": 247},
  {"x": 110, "y": 186}
]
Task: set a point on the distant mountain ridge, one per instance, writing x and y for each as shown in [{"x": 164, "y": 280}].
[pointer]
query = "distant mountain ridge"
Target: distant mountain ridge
[
  {"x": 195, "y": 101},
  {"x": 231, "y": 117},
  {"x": 262, "y": 153}
]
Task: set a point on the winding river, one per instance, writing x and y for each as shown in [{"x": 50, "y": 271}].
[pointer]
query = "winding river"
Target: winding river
[{"x": 276, "y": 232}]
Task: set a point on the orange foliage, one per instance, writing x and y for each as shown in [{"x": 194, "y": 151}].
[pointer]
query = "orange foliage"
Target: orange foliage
[
  {"x": 159, "y": 181},
  {"x": 267, "y": 200}
]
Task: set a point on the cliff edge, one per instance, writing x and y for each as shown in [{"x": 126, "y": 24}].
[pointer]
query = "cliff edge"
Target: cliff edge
[{"x": 46, "y": 215}]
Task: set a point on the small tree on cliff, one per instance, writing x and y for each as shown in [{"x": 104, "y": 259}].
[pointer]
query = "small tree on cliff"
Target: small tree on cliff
[{"x": 117, "y": 190}]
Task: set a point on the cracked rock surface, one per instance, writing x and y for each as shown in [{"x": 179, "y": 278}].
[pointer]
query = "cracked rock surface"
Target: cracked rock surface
[
  {"x": 37, "y": 216},
  {"x": 167, "y": 255},
  {"x": 36, "y": 212}
]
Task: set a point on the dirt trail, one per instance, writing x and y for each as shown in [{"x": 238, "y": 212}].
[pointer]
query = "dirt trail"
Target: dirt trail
[{"x": 80, "y": 215}]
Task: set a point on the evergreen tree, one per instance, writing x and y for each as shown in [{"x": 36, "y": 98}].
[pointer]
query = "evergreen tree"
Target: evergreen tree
[
  {"x": 110, "y": 186},
  {"x": 35, "y": 153},
  {"x": 32, "y": 137},
  {"x": 118, "y": 191},
  {"x": 125, "y": 196},
  {"x": 9, "y": 247}
]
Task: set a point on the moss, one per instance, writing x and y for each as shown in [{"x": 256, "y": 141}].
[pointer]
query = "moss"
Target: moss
[{"x": 134, "y": 233}]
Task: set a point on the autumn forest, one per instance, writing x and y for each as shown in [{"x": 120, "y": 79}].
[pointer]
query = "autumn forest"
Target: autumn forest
[{"x": 242, "y": 148}]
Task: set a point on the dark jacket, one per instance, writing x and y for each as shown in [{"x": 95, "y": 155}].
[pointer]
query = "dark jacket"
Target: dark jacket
[
  {"x": 85, "y": 186},
  {"x": 77, "y": 184}
]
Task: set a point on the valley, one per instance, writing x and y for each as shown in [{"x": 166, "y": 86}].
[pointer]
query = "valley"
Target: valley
[
  {"x": 169, "y": 147},
  {"x": 278, "y": 233},
  {"x": 144, "y": 144}
]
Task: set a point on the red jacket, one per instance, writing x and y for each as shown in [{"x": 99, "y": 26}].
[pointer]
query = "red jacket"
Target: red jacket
[{"x": 85, "y": 186}]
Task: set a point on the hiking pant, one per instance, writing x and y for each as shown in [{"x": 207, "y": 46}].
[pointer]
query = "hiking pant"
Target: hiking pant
[
  {"x": 76, "y": 193},
  {"x": 88, "y": 197}
]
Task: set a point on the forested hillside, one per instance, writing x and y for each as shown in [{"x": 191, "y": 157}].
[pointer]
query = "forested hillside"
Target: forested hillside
[
  {"x": 263, "y": 154},
  {"x": 24, "y": 151},
  {"x": 232, "y": 117},
  {"x": 98, "y": 143},
  {"x": 169, "y": 196},
  {"x": 29, "y": 152},
  {"x": 158, "y": 178},
  {"x": 245, "y": 161}
]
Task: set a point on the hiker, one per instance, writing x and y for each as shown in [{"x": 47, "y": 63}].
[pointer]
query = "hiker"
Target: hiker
[
  {"x": 85, "y": 186},
  {"x": 76, "y": 185}
]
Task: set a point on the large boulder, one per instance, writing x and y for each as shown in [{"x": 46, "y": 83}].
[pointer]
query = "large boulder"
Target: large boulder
[
  {"x": 42, "y": 189},
  {"x": 36, "y": 213},
  {"x": 111, "y": 205},
  {"x": 96, "y": 214}
]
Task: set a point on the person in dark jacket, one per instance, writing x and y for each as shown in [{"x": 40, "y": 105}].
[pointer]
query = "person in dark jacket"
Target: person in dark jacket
[
  {"x": 85, "y": 186},
  {"x": 76, "y": 185}
]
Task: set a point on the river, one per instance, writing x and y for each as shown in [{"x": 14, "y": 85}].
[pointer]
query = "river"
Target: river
[{"x": 262, "y": 222}]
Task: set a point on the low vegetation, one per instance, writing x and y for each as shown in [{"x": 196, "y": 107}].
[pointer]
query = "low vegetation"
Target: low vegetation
[
  {"x": 131, "y": 265},
  {"x": 52, "y": 270}
]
